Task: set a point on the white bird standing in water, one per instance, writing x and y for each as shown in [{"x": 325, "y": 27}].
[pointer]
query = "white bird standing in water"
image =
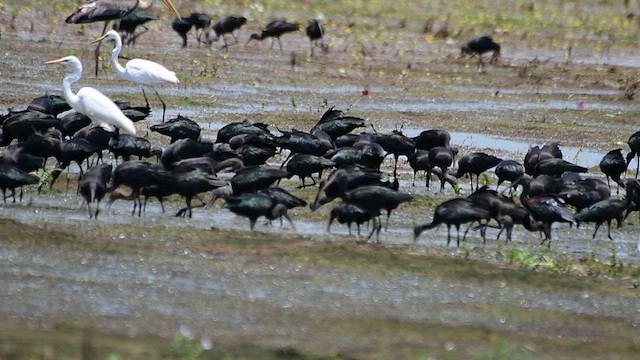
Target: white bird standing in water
[
  {"x": 140, "y": 71},
  {"x": 107, "y": 10},
  {"x": 91, "y": 102}
]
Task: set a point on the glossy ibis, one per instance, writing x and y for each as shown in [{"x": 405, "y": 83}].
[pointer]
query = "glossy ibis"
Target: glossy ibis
[
  {"x": 73, "y": 150},
  {"x": 475, "y": 164},
  {"x": 126, "y": 146},
  {"x": 419, "y": 161},
  {"x": 347, "y": 213},
  {"x": 128, "y": 25},
  {"x": 93, "y": 186},
  {"x": 557, "y": 167},
  {"x": 254, "y": 178},
  {"x": 305, "y": 165},
  {"x": 178, "y": 128},
  {"x": 397, "y": 144},
  {"x": 228, "y": 25},
  {"x": 201, "y": 22},
  {"x": 374, "y": 198},
  {"x": 634, "y": 146},
  {"x": 441, "y": 157},
  {"x": 480, "y": 45},
  {"x": 253, "y": 206},
  {"x": 613, "y": 165},
  {"x": 549, "y": 209},
  {"x": 139, "y": 175},
  {"x": 315, "y": 33},
  {"x": 49, "y": 104},
  {"x": 191, "y": 183},
  {"x": 342, "y": 180},
  {"x": 508, "y": 170},
  {"x": 21, "y": 125},
  {"x": 238, "y": 128},
  {"x": 183, "y": 149},
  {"x": 429, "y": 139},
  {"x": 456, "y": 211},
  {"x": 274, "y": 30},
  {"x": 182, "y": 27},
  {"x": 336, "y": 123},
  {"x": 604, "y": 211},
  {"x": 536, "y": 154},
  {"x": 11, "y": 178}
]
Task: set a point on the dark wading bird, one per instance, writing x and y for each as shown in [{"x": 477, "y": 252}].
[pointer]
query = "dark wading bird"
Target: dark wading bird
[
  {"x": 479, "y": 46},
  {"x": 228, "y": 25},
  {"x": 93, "y": 186},
  {"x": 11, "y": 178},
  {"x": 274, "y": 30},
  {"x": 508, "y": 170},
  {"x": 475, "y": 164},
  {"x": 634, "y": 146},
  {"x": 604, "y": 211},
  {"x": 441, "y": 157},
  {"x": 140, "y": 71},
  {"x": 49, "y": 104},
  {"x": 349, "y": 214},
  {"x": 139, "y": 175},
  {"x": 178, "y": 128},
  {"x": 374, "y": 198},
  {"x": 315, "y": 33},
  {"x": 107, "y": 10},
  {"x": 201, "y": 22},
  {"x": 454, "y": 212},
  {"x": 182, "y": 27},
  {"x": 253, "y": 206},
  {"x": 613, "y": 165},
  {"x": 128, "y": 25},
  {"x": 537, "y": 154}
]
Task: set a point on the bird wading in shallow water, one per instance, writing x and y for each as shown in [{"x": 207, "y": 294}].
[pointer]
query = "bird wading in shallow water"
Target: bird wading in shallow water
[
  {"x": 274, "y": 30},
  {"x": 107, "y": 10},
  {"x": 479, "y": 46},
  {"x": 92, "y": 103},
  {"x": 142, "y": 72}
]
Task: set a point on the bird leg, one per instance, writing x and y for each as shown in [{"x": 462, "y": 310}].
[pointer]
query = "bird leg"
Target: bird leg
[
  {"x": 97, "y": 51},
  {"x": 279, "y": 43},
  {"x": 164, "y": 106},
  {"x": 373, "y": 228},
  {"x": 145, "y": 98}
]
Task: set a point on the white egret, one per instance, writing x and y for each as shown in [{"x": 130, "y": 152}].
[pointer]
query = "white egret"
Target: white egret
[
  {"x": 107, "y": 10},
  {"x": 89, "y": 101},
  {"x": 140, "y": 71}
]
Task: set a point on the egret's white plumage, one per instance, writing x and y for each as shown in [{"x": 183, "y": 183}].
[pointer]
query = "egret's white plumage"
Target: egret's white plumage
[
  {"x": 143, "y": 72},
  {"x": 91, "y": 102},
  {"x": 107, "y": 10}
]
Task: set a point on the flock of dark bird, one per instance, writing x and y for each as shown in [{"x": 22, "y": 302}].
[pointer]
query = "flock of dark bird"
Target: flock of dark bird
[
  {"x": 552, "y": 189},
  {"x": 239, "y": 166}
]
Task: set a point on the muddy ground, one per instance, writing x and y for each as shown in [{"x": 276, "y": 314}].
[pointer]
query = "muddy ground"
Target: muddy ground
[{"x": 158, "y": 286}]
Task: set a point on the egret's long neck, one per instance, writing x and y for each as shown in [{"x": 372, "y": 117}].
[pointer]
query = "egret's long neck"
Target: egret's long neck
[
  {"x": 114, "y": 56},
  {"x": 72, "y": 99}
]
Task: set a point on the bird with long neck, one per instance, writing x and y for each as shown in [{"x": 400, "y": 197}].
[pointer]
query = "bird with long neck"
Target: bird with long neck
[
  {"x": 92, "y": 103},
  {"x": 107, "y": 10},
  {"x": 141, "y": 71}
]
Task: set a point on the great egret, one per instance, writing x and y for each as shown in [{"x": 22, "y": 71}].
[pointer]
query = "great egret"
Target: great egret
[
  {"x": 140, "y": 71},
  {"x": 107, "y": 10},
  {"x": 89, "y": 101}
]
